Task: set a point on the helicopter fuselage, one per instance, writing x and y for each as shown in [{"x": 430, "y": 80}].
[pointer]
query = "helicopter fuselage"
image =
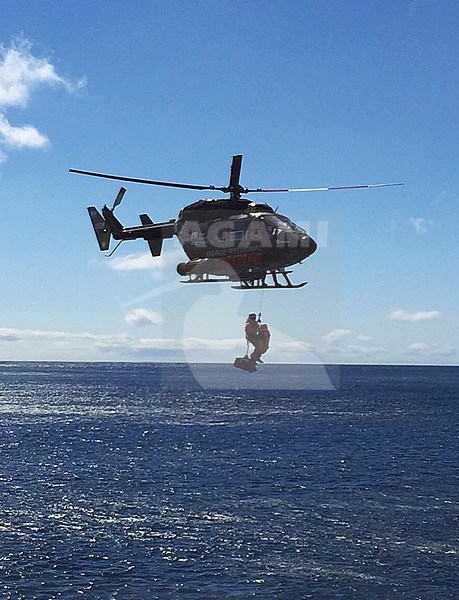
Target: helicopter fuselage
[{"x": 238, "y": 239}]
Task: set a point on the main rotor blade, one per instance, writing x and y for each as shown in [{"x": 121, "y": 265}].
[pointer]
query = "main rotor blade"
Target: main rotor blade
[
  {"x": 234, "y": 182},
  {"x": 187, "y": 186},
  {"x": 235, "y": 172},
  {"x": 325, "y": 189}
]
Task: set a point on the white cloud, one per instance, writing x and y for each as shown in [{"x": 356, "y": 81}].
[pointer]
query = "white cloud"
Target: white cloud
[
  {"x": 339, "y": 345},
  {"x": 9, "y": 335},
  {"x": 16, "y": 335},
  {"x": 187, "y": 344},
  {"x": 429, "y": 350},
  {"x": 142, "y": 316},
  {"x": 347, "y": 343},
  {"x": 420, "y": 315},
  {"x": 118, "y": 343},
  {"x": 20, "y": 74},
  {"x": 135, "y": 262},
  {"x": 335, "y": 336},
  {"x": 21, "y": 137},
  {"x": 141, "y": 261},
  {"x": 294, "y": 347},
  {"x": 39, "y": 344},
  {"x": 420, "y": 225}
]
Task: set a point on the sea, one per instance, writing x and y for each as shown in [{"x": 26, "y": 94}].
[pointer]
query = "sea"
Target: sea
[{"x": 139, "y": 481}]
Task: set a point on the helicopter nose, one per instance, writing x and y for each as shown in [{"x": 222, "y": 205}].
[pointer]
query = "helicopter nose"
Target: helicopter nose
[{"x": 306, "y": 246}]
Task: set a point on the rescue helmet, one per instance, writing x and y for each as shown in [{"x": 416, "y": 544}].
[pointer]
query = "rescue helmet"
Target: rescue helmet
[{"x": 252, "y": 316}]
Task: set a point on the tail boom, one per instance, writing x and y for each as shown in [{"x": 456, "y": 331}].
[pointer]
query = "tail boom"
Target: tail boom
[{"x": 106, "y": 226}]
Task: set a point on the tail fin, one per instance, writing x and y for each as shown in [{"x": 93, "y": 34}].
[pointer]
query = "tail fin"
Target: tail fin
[
  {"x": 145, "y": 219},
  {"x": 101, "y": 228},
  {"x": 155, "y": 245}
]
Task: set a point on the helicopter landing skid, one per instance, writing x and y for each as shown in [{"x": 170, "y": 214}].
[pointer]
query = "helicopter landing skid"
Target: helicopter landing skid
[
  {"x": 260, "y": 284},
  {"x": 253, "y": 283},
  {"x": 205, "y": 280}
]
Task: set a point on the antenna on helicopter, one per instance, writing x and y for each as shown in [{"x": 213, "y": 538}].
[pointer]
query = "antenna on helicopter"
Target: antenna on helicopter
[{"x": 114, "y": 249}]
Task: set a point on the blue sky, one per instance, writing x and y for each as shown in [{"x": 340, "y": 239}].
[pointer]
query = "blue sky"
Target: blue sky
[{"x": 311, "y": 93}]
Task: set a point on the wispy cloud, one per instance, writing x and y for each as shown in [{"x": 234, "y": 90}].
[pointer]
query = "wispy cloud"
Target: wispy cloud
[
  {"x": 432, "y": 350},
  {"x": 336, "y": 336},
  {"x": 16, "y": 335},
  {"x": 143, "y": 316},
  {"x": 21, "y": 73},
  {"x": 338, "y": 345},
  {"x": 347, "y": 343},
  {"x": 141, "y": 261},
  {"x": 445, "y": 198},
  {"x": 184, "y": 344},
  {"x": 420, "y": 315},
  {"x": 121, "y": 344},
  {"x": 295, "y": 347},
  {"x": 420, "y": 225}
]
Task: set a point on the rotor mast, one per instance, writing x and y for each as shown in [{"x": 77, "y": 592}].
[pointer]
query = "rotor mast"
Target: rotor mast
[{"x": 234, "y": 188}]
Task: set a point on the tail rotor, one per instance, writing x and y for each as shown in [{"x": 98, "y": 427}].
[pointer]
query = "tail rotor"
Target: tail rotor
[
  {"x": 106, "y": 223},
  {"x": 119, "y": 198}
]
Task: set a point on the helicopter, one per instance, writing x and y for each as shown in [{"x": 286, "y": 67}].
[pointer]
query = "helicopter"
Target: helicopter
[{"x": 225, "y": 239}]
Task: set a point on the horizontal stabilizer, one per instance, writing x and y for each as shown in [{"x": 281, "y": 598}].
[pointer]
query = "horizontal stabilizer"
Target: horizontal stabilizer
[{"x": 101, "y": 228}]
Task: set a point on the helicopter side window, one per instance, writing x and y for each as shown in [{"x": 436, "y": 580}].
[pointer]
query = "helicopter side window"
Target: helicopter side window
[{"x": 236, "y": 235}]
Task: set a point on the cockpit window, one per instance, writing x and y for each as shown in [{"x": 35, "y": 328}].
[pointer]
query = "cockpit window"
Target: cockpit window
[
  {"x": 284, "y": 223},
  {"x": 275, "y": 222}
]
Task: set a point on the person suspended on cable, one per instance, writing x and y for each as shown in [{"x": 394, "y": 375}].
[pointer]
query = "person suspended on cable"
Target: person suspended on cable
[
  {"x": 258, "y": 335},
  {"x": 264, "y": 335},
  {"x": 251, "y": 335},
  {"x": 260, "y": 344},
  {"x": 251, "y": 331}
]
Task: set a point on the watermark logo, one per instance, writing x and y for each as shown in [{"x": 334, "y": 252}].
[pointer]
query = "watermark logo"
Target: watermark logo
[{"x": 239, "y": 235}]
